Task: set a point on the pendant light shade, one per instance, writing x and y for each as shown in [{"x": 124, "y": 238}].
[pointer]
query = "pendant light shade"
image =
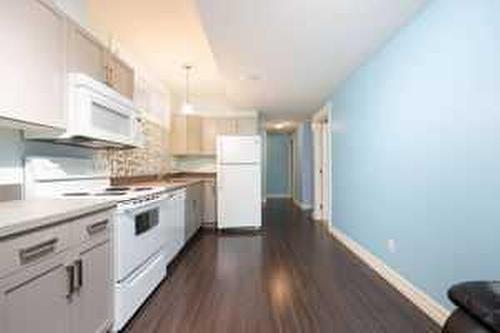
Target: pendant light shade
[{"x": 187, "y": 108}]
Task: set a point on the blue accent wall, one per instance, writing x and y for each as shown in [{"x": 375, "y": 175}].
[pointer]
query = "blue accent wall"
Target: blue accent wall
[
  {"x": 416, "y": 148},
  {"x": 278, "y": 159}
]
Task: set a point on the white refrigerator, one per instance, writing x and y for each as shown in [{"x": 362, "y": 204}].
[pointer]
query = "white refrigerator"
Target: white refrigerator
[{"x": 239, "y": 192}]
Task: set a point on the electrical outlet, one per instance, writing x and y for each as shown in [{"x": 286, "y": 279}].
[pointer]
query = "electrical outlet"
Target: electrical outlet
[{"x": 391, "y": 245}]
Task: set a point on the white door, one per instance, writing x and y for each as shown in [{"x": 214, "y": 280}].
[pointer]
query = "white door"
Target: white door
[
  {"x": 239, "y": 196},
  {"x": 318, "y": 170},
  {"x": 238, "y": 149},
  {"x": 325, "y": 174}
]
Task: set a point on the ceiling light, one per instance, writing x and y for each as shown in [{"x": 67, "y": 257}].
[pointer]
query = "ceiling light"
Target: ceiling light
[
  {"x": 187, "y": 107},
  {"x": 279, "y": 126}
]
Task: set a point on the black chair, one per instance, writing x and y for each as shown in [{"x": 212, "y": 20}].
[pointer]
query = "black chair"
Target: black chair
[{"x": 478, "y": 308}]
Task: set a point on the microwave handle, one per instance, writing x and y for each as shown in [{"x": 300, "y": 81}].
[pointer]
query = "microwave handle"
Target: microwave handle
[{"x": 137, "y": 132}]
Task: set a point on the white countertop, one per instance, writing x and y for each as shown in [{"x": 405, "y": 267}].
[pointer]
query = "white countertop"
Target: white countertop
[{"x": 24, "y": 215}]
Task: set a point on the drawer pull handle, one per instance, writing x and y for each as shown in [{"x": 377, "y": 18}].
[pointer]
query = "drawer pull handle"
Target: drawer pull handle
[
  {"x": 97, "y": 227},
  {"x": 70, "y": 272},
  {"x": 40, "y": 250},
  {"x": 78, "y": 274}
]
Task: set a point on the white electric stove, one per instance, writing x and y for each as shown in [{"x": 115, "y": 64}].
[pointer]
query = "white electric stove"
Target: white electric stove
[{"x": 139, "y": 232}]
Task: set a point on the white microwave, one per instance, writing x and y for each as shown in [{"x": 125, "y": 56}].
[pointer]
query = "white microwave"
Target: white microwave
[{"x": 97, "y": 117}]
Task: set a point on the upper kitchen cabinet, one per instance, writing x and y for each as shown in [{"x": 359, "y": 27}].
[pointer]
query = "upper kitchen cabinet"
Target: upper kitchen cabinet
[
  {"x": 209, "y": 135},
  {"x": 32, "y": 62},
  {"x": 120, "y": 76},
  {"x": 247, "y": 126},
  {"x": 86, "y": 54},
  {"x": 237, "y": 126},
  {"x": 193, "y": 128},
  {"x": 195, "y": 135},
  {"x": 186, "y": 135},
  {"x": 152, "y": 98},
  {"x": 226, "y": 126}
]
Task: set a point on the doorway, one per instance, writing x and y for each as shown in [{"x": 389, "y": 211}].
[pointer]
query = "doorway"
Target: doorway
[
  {"x": 322, "y": 169},
  {"x": 278, "y": 170}
]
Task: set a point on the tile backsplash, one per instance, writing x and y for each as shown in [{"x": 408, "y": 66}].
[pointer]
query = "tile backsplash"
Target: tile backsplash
[
  {"x": 194, "y": 164},
  {"x": 153, "y": 158}
]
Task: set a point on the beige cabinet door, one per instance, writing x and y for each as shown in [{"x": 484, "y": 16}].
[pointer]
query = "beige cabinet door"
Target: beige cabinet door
[
  {"x": 121, "y": 76},
  {"x": 189, "y": 212},
  {"x": 194, "y": 209},
  {"x": 209, "y": 135},
  {"x": 92, "y": 312},
  {"x": 85, "y": 53},
  {"x": 226, "y": 126},
  {"x": 178, "y": 135},
  {"x": 36, "y": 300},
  {"x": 193, "y": 134},
  {"x": 209, "y": 203},
  {"x": 186, "y": 135},
  {"x": 32, "y": 62},
  {"x": 247, "y": 126},
  {"x": 200, "y": 206}
]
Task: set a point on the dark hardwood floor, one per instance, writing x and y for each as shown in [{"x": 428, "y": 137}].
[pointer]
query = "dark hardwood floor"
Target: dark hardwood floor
[{"x": 290, "y": 277}]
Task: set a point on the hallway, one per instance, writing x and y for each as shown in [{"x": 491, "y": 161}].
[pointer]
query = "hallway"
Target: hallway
[{"x": 291, "y": 277}]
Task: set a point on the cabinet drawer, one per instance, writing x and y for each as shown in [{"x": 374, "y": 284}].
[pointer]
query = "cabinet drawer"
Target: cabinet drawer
[
  {"x": 27, "y": 249},
  {"x": 93, "y": 228},
  {"x": 35, "y": 299}
]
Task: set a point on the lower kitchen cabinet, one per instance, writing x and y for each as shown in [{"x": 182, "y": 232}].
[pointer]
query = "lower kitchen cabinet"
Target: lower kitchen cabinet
[
  {"x": 194, "y": 209},
  {"x": 209, "y": 204},
  {"x": 60, "y": 289},
  {"x": 37, "y": 299},
  {"x": 93, "y": 306}
]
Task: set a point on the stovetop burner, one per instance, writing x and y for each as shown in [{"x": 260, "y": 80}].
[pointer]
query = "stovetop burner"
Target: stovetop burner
[
  {"x": 118, "y": 189},
  {"x": 144, "y": 188},
  {"x": 110, "y": 193},
  {"x": 76, "y": 194}
]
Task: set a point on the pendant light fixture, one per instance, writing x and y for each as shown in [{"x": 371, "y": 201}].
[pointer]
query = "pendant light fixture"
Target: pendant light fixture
[{"x": 187, "y": 108}]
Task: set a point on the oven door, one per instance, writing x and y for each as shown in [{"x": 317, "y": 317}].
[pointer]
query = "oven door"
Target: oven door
[{"x": 138, "y": 236}]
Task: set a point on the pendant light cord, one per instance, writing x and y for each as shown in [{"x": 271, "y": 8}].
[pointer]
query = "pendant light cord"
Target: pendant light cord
[{"x": 187, "y": 68}]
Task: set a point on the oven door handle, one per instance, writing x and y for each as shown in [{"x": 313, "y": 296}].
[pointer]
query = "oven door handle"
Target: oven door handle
[{"x": 145, "y": 206}]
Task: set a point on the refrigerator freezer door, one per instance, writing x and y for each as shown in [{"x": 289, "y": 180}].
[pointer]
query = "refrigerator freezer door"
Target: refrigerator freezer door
[
  {"x": 239, "y": 196},
  {"x": 238, "y": 149}
]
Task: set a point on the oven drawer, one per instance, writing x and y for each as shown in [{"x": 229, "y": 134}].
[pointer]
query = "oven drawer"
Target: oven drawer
[
  {"x": 33, "y": 247},
  {"x": 132, "y": 292}
]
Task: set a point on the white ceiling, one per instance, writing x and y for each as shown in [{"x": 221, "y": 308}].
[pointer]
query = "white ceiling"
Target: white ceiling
[
  {"x": 282, "y": 57},
  {"x": 164, "y": 35},
  {"x": 301, "y": 49}
]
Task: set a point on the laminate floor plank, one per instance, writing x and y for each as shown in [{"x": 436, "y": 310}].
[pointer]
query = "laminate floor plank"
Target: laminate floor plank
[{"x": 290, "y": 277}]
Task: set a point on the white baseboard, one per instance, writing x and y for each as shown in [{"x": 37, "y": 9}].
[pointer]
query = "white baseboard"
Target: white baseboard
[
  {"x": 426, "y": 303},
  {"x": 317, "y": 216},
  {"x": 301, "y": 205},
  {"x": 278, "y": 196}
]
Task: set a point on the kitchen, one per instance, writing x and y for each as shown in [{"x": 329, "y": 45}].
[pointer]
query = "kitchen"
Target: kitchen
[
  {"x": 110, "y": 193},
  {"x": 215, "y": 166}
]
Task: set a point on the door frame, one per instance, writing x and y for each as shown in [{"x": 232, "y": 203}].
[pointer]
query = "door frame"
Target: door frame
[
  {"x": 292, "y": 167},
  {"x": 322, "y": 166}
]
